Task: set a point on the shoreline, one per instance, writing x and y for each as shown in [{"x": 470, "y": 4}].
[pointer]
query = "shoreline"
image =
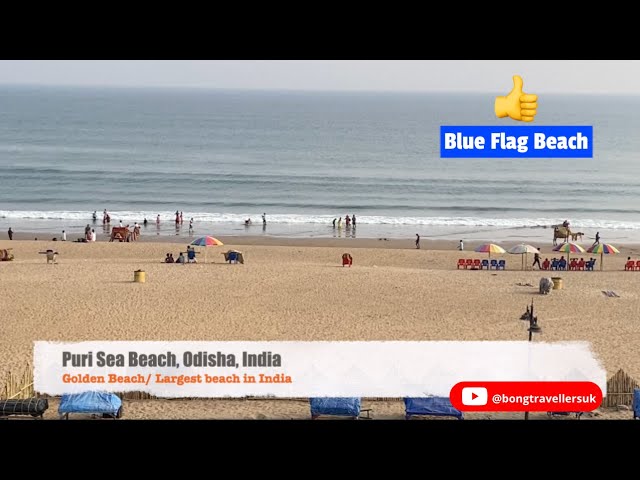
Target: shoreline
[
  {"x": 168, "y": 231},
  {"x": 296, "y": 241}
]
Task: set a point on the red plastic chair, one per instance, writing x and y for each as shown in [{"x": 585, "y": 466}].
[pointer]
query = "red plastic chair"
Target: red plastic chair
[
  {"x": 347, "y": 259},
  {"x": 546, "y": 264},
  {"x": 581, "y": 264},
  {"x": 469, "y": 263},
  {"x": 638, "y": 265},
  {"x": 476, "y": 263},
  {"x": 573, "y": 265},
  {"x": 630, "y": 265},
  {"x": 461, "y": 263}
]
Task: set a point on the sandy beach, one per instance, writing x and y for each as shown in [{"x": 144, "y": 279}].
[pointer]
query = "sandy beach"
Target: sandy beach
[{"x": 296, "y": 289}]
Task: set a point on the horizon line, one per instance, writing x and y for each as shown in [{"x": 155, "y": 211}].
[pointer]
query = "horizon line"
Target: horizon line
[{"x": 289, "y": 90}]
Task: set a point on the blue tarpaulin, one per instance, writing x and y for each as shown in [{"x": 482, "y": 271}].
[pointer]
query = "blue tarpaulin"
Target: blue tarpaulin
[
  {"x": 90, "y": 402},
  {"x": 342, "y": 406},
  {"x": 437, "y": 406},
  {"x": 636, "y": 403}
]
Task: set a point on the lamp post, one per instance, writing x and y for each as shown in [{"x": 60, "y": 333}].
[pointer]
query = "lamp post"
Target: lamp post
[{"x": 533, "y": 328}]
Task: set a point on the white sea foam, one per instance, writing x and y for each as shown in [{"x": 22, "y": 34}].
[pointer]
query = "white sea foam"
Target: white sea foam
[{"x": 290, "y": 219}]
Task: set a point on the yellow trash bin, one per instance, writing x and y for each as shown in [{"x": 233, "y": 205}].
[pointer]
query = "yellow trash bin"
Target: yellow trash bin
[
  {"x": 139, "y": 276},
  {"x": 557, "y": 283}
]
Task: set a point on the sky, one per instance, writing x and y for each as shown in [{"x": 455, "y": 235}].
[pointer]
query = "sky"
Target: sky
[{"x": 542, "y": 76}]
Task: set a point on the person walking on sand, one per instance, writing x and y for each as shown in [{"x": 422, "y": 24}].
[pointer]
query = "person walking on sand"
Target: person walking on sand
[
  {"x": 417, "y": 241},
  {"x": 64, "y": 236},
  {"x": 597, "y": 238},
  {"x": 93, "y": 235},
  {"x": 10, "y": 232},
  {"x": 461, "y": 245},
  {"x": 536, "y": 260}
]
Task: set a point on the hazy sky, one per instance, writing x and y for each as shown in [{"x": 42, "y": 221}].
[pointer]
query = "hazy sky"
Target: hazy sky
[{"x": 540, "y": 76}]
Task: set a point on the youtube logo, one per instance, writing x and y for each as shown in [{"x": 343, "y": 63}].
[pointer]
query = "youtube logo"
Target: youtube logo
[{"x": 474, "y": 396}]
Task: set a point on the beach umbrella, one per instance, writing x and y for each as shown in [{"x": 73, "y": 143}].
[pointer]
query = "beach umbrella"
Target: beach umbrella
[
  {"x": 206, "y": 241},
  {"x": 603, "y": 248},
  {"x": 489, "y": 248},
  {"x": 523, "y": 249},
  {"x": 569, "y": 248}
]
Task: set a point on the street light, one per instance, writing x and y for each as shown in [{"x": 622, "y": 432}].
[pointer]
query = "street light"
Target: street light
[{"x": 533, "y": 328}]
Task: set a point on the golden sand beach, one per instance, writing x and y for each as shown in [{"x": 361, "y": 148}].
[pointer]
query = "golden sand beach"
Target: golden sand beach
[{"x": 298, "y": 290}]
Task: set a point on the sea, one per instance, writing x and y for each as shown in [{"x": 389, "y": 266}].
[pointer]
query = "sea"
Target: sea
[{"x": 302, "y": 159}]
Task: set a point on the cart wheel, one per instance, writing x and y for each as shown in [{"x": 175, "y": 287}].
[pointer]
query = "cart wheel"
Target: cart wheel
[{"x": 119, "y": 412}]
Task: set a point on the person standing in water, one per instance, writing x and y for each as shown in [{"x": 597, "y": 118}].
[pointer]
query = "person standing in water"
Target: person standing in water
[
  {"x": 264, "y": 219},
  {"x": 334, "y": 222},
  {"x": 353, "y": 220}
]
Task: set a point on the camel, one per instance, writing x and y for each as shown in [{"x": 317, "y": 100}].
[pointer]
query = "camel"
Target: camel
[
  {"x": 575, "y": 236},
  {"x": 561, "y": 232}
]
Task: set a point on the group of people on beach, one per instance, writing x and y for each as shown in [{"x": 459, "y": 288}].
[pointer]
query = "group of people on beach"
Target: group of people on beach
[
  {"x": 106, "y": 221},
  {"x": 350, "y": 221},
  {"x": 191, "y": 257},
  {"x": 89, "y": 234}
]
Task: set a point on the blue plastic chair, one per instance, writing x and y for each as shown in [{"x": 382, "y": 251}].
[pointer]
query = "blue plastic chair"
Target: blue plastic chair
[
  {"x": 562, "y": 265},
  {"x": 191, "y": 256},
  {"x": 233, "y": 257},
  {"x": 484, "y": 264},
  {"x": 501, "y": 264},
  {"x": 589, "y": 265},
  {"x": 636, "y": 403},
  {"x": 554, "y": 264},
  {"x": 494, "y": 264}
]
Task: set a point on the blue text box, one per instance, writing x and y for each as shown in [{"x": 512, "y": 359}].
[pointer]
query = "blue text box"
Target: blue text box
[{"x": 526, "y": 141}]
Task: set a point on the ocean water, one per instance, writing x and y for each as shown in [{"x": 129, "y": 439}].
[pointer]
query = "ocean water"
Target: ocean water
[{"x": 304, "y": 158}]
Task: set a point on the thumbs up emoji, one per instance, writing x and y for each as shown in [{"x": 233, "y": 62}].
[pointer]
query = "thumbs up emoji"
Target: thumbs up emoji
[{"x": 517, "y": 105}]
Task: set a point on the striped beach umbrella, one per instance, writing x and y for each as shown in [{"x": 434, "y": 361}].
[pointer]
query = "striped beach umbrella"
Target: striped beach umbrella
[
  {"x": 602, "y": 249},
  {"x": 489, "y": 248},
  {"x": 569, "y": 248},
  {"x": 206, "y": 241}
]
